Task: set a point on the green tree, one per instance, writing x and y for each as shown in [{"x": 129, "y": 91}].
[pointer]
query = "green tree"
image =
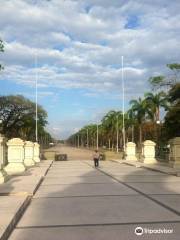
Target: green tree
[
  {"x": 175, "y": 77},
  {"x": 157, "y": 81},
  {"x": 18, "y": 117},
  {"x": 172, "y": 118},
  {"x": 141, "y": 112},
  {"x": 161, "y": 81},
  {"x": 132, "y": 122},
  {"x": 155, "y": 102},
  {"x": 112, "y": 124}
]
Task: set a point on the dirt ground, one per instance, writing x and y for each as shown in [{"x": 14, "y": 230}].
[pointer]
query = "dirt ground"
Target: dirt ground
[{"x": 73, "y": 153}]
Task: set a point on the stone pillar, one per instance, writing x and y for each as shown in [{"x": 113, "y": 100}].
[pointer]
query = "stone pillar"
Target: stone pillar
[
  {"x": 36, "y": 153},
  {"x": 29, "y": 154},
  {"x": 148, "y": 152},
  {"x": 3, "y": 160},
  {"x": 131, "y": 151},
  {"x": 175, "y": 152},
  {"x": 15, "y": 156}
]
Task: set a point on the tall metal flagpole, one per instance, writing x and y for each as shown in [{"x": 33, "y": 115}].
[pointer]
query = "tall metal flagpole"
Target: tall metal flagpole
[
  {"x": 36, "y": 97},
  {"x": 122, "y": 75}
]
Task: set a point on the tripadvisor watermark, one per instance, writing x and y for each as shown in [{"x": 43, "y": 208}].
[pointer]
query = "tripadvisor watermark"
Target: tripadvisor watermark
[{"x": 140, "y": 231}]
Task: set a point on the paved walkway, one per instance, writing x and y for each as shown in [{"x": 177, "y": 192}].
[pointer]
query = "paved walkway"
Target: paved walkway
[
  {"x": 16, "y": 193},
  {"x": 78, "y": 202}
]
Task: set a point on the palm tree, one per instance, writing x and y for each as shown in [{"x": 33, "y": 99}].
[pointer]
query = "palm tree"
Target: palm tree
[
  {"x": 155, "y": 101},
  {"x": 131, "y": 122},
  {"x": 141, "y": 111},
  {"x": 108, "y": 124},
  {"x": 112, "y": 124}
]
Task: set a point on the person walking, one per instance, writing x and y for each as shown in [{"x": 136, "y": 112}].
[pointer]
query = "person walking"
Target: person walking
[{"x": 96, "y": 157}]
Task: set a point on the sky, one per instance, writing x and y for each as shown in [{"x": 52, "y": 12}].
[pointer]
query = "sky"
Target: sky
[{"x": 79, "y": 45}]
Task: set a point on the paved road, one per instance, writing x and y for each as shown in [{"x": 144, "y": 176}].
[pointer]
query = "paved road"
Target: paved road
[{"x": 78, "y": 202}]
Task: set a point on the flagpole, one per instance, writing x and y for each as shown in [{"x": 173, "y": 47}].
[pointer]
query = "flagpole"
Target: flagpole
[
  {"x": 36, "y": 96},
  {"x": 122, "y": 76}
]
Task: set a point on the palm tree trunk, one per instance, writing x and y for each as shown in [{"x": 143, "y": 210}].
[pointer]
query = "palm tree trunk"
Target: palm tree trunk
[
  {"x": 132, "y": 133},
  {"x": 109, "y": 143},
  {"x": 157, "y": 114},
  {"x": 140, "y": 135}
]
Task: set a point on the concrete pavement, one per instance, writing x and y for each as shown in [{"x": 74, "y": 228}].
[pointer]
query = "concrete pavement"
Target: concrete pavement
[
  {"x": 15, "y": 195},
  {"x": 75, "y": 201}
]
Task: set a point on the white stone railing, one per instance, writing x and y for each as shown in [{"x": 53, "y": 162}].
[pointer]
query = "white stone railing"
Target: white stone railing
[
  {"x": 148, "y": 152},
  {"x": 147, "y": 155},
  {"x": 16, "y": 155}
]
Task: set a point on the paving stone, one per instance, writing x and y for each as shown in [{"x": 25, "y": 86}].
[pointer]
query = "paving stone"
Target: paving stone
[
  {"x": 9, "y": 209},
  {"x": 158, "y": 188},
  {"x": 172, "y": 201},
  {"x": 96, "y": 210},
  {"x": 83, "y": 190},
  {"x": 20, "y": 184},
  {"x": 78, "y": 202},
  {"x": 148, "y": 178},
  {"x": 80, "y": 179},
  {"x": 118, "y": 232}
]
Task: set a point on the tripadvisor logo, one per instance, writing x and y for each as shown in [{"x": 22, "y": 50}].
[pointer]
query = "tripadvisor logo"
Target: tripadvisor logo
[{"x": 139, "y": 231}]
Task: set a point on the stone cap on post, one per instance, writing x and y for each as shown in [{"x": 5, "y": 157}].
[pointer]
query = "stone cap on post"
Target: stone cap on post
[
  {"x": 36, "y": 144},
  {"x": 15, "y": 142},
  {"x": 149, "y": 143},
  {"x": 29, "y": 144},
  {"x": 130, "y": 144}
]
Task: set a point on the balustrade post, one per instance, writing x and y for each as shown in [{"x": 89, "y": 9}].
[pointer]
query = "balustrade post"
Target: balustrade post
[
  {"x": 36, "y": 152},
  {"x": 3, "y": 160},
  {"x": 15, "y": 156},
  {"x": 29, "y": 154},
  {"x": 175, "y": 152},
  {"x": 131, "y": 151},
  {"x": 148, "y": 152}
]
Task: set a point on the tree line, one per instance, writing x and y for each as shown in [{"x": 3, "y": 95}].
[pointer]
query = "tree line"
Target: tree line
[{"x": 142, "y": 119}]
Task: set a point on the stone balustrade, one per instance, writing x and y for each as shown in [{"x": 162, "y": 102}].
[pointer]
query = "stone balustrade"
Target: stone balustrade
[
  {"x": 36, "y": 152},
  {"x": 175, "y": 152},
  {"x": 3, "y": 159},
  {"x": 29, "y": 154},
  {"x": 15, "y": 156},
  {"x": 148, "y": 152},
  {"x": 131, "y": 151}
]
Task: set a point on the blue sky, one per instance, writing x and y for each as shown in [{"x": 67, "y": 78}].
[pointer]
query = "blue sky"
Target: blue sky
[{"x": 79, "y": 44}]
